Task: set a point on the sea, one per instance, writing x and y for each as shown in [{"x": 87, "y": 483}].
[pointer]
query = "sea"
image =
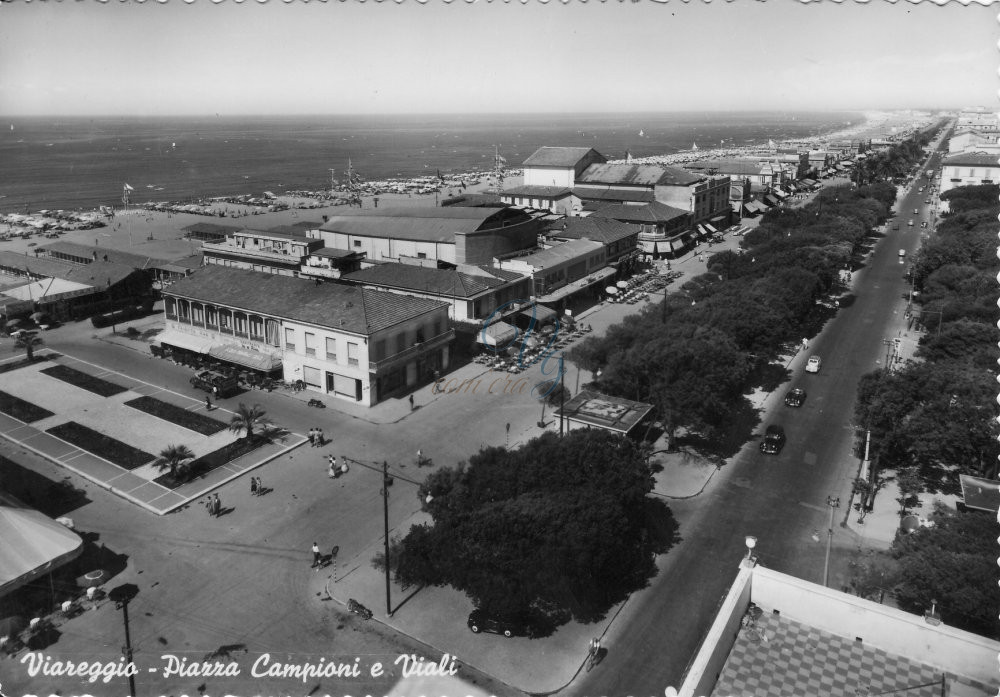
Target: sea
[{"x": 84, "y": 162}]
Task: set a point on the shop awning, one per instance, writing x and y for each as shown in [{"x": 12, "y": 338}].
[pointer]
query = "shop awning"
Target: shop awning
[
  {"x": 188, "y": 342},
  {"x": 32, "y": 545},
  {"x": 540, "y": 313},
  {"x": 249, "y": 358},
  {"x": 496, "y": 334}
]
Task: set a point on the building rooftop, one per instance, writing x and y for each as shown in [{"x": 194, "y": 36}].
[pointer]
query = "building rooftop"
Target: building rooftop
[
  {"x": 348, "y": 308},
  {"x": 425, "y": 224},
  {"x": 294, "y": 234},
  {"x": 211, "y": 228},
  {"x": 433, "y": 281},
  {"x": 637, "y": 174},
  {"x": 544, "y": 191},
  {"x": 606, "y": 230},
  {"x": 559, "y": 253},
  {"x": 604, "y": 411},
  {"x": 978, "y": 159},
  {"x": 613, "y": 194},
  {"x": 654, "y": 212},
  {"x": 550, "y": 156},
  {"x": 94, "y": 252}
]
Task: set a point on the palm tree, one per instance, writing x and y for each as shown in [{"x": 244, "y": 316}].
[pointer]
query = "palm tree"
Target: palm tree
[
  {"x": 247, "y": 418},
  {"x": 173, "y": 456},
  {"x": 28, "y": 341}
]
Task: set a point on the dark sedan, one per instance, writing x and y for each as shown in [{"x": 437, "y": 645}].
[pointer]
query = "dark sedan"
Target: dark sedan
[
  {"x": 482, "y": 621},
  {"x": 795, "y": 398},
  {"x": 774, "y": 440}
]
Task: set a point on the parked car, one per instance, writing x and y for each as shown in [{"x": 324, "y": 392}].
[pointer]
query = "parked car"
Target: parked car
[
  {"x": 928, "y": 202},
  {"x": 916, "y": 211},
  {"x": 910, "y": 223},
  {"x": 216, "y": 383},
  {"x": 774, "y": 440},
  {"x": 482, "y": 621},
  {"x": 813, "y": 364},
  {"x": 795, "y": 398}
]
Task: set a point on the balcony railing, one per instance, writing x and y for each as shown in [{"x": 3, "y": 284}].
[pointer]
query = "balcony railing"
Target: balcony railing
[{"x": 415, "y": 350}]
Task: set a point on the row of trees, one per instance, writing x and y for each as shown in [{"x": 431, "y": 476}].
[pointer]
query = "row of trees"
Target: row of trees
[
  {"x": 693, "y": 358},
  {"x": 935, "y": 418},
  {"x": 895, "y": 162}
]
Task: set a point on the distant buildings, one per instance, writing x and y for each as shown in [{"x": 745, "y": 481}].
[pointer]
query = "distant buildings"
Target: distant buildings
[
  {"x": 259, "y": 250},
  {"x": 969, "y": 169},
  {"x": 356, "y": 344}
]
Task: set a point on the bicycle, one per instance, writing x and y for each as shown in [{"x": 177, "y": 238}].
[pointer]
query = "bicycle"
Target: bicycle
[{"x": 749, "y": 623}]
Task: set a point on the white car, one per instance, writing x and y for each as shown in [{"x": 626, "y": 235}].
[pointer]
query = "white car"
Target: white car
[{"x": 812, "y": 365}]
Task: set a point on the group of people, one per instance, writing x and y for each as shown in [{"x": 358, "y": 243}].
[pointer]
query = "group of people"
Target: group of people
[
  {"x": 316, "y": 438},
  {"x": 334, "y": 470},
  {"x": 214, "y": 505},
  {"x": 256, "y": 487}
]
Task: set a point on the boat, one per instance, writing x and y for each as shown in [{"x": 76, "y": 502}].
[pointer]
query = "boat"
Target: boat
[
  {"x": 641, "y": 134},
  {"x": 694, "y": 146}
]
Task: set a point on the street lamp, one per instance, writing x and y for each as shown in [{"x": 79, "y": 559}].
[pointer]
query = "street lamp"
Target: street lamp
[
  {"x": 386, "y": 481},
  {"x": 832, "y": 503},
  {"x": 750, "y": 541},
  {"x": 121, "y": 596}
]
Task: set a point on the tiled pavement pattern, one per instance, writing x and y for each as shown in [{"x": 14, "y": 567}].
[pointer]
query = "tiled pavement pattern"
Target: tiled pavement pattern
[{"x": 797, "y": 660}]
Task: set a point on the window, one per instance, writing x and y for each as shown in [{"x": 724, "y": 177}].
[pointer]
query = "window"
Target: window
[
  {"x": 197, "y": 313},
  {"x": 183, "y": 309},
  {"x": 241, "y": 324},
  {"x": 436, "y": 327},
  {"x": 257, "y": 327},
  {"x": 310, "y": 344},
  {"x": 352, "y": 353},
  {"x": 401, "y": 342},
  {"x": 331, "y": 349},
  {"x": 380, "y": 349},
  {"x": 170, "y": 307},
  {"x": 225, "y": 320},
  {"x": 272, "y": 332},
  {"x": 289, "y": 339},
  {"x": 211, "y": 316},
  {"x": 421, "y": 255},
  {"x": 357, "y": 243}
]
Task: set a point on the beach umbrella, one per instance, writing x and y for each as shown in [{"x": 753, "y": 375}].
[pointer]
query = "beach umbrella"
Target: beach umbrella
[
  {"x": 38, "y": 316},
  {"x": 622, "y": 284},
  {"x": 611, "y": 290},
  {"x": 13, "y": 322}
]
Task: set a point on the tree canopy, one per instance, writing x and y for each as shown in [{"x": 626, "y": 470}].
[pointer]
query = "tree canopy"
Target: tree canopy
[
  {"x": 952, "y": 564},
  {"x": 558, "y": 525}
]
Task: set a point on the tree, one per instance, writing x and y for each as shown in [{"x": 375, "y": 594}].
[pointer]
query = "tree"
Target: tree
[
  {"x": 557, "y": 524},
  {"x": 28, "y": 341},
  {"x": 248, "y": 418},
  {"x": 172, "y": 457},
  {"x": 952, "y": 564}
]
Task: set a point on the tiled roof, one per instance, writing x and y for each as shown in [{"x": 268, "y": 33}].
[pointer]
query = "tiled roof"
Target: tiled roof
[
  {"x": 548, "y": 156},
  {"x": 211, "y": 228},
  {"x": 978, "y": 159},
  {"x": 560, "y": 253},
  {"x": 544, "y": 191},
  {"x": 613, "y": 194},
  {"x": 347, "y": 308},
  {"x": 598, "y": 229},
  {"x": 645, "y": 175},
  {"x": 428, "y": 224},
  {"x": 473, "y": 200},
  {"x": 739, "y": 167},
  {"x": 654, "y": 212},
  {"x": 296, "y": 229},
  {"x": 502, "y": 274},
  {"x": 445, "y": 282},
  {"x": 98, "y": 274}
]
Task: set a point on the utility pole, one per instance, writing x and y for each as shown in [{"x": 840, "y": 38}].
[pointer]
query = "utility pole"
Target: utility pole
[
  {"x": 385, "y": 509},
  {"x": 562, "y": 396},
  {"x": 121, "y": 596},
  {"x": 832, "y": 503}
]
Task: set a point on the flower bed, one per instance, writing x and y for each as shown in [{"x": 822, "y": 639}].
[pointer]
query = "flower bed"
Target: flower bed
[
  {"x": 193, "y": 421},
  {"x": 84, "y": 380},
  {"x": 210, "y": 461},
  {"x": 22, "y": 410},
  {"x": 121, "y": 454},
  {"x": 14, "y": 365}
]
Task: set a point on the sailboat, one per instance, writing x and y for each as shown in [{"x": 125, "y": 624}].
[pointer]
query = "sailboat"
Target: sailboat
[
  {"x": 694, "y": 146},
  {"x": 641, "y": 134}
]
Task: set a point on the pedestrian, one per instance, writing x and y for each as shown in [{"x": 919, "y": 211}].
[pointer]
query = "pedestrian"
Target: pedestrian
[
  {"x": 209, "y": 506},
  {"x": 320, "y": 440},
  {"x": 216, "y": 505},
  {"x": 316, "y": 555},
  {"x": 420, "y": 457},
  {"x": 253, "y": 486},
  {"x": 208, "y": 403},
  {"x": 312, "y": 437},
  {"x": 411, "y": 403},
  {"x": 260, "y": 487},
  {"x": 332, "y": 470},
  {"x": 701, "y": 257}
]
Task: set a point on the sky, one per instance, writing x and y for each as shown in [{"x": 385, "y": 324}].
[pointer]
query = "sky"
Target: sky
[{"x": 370, "y": 57}]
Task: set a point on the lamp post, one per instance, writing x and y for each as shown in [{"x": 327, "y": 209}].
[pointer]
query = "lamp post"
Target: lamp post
[
  {"x": 121, "y": 596},
  {"x": 751, "y": 542},
  {"x": 386, "y": 480},
  {"x": 832, "y": 503}
]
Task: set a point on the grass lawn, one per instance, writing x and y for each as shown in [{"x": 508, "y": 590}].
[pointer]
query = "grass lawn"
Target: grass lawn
[
  {"x": 199, "y": 423},
  {"x": 84, "y": 380},
  {"x": 121, "y": 454},
  {"x": 21, "y": 410},
  {"x": 208, "y": 462},
  {"x": 14, "y": 365}
]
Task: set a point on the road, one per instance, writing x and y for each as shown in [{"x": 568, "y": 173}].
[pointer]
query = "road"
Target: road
[{"x": 781, "y": 500}]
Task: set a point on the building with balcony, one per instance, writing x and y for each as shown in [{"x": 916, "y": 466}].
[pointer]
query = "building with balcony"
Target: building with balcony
[
  {"x": 330, "y": 264},
  {"x": 356, "y": 344},
  {"x": 160, "y": 269},
  {"x": 444, "y": 236},
  {"x": 472, "y": 293},
  {"x": 555, "y": 199},
  {"x": 270, "y": 251},
  {"x": 664, "y": 231},
  {"x": 969, "y": 169},
  {"x": 559, "y": 272}
]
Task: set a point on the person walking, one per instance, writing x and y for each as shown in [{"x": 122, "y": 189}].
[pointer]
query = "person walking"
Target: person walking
[
  {"x": 320, "y": 440},
  {"x": 208, "y": 403},
  {"x": 332, "y": 470},
  {"x": 312, "y": 437},
  {"x": 253, "y": 486},
  {"x": 216, "y": 505},
  {"x": 411, "y": 403},
  {"x": 210, "y": 506},
  {"x": 316, "y": 556}
]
